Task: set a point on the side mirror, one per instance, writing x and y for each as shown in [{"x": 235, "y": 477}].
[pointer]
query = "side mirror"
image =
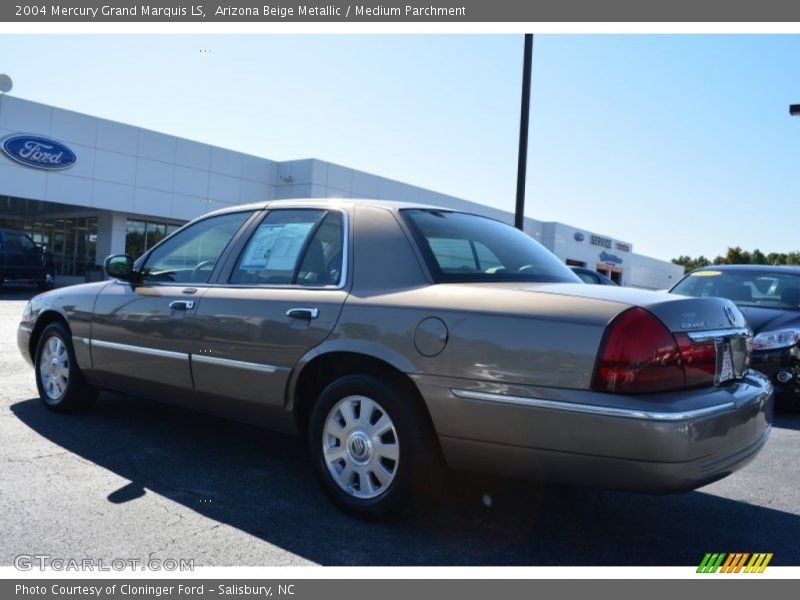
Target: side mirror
[{"x": 120, "y": 266}]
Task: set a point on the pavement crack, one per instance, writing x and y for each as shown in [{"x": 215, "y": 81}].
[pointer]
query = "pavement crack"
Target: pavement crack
[
  {"x": 36, "y": 457},
  {"x": 181, "y": 538}
]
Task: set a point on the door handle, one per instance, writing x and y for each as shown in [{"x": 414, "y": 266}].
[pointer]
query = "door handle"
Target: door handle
[
  {"x": 182, "y": 304},
  {"x": 303, "y": 313}
]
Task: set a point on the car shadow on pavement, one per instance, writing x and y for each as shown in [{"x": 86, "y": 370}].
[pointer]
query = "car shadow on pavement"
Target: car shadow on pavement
[
  {"x": 787, "y": 419},
  {"x": 8, "y": 292},
  {"x": 261, "y": 483}
]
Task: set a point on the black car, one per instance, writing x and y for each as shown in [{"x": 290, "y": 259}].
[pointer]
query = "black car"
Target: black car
[
  {"x": 593, "y": 277},
  {"x": 22, "y": 260},
  {"x": 769, "y": 297}
]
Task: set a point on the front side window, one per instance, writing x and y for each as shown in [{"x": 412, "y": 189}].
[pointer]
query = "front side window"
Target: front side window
[
  {"x": 588, "y": 277},
  {"x": 26, "y": 243},
  {"x": 293, "y": 247},
  {"x": 191, "y": 255},
  {"x": 461, "y": 247}
]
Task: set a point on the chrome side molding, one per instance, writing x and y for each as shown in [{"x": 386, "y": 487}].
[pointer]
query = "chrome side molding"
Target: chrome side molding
[
  {"x": 608, "y": 411},
  {"x": 198, "y": 358},
  {"x": 140, "y": 350},
  {"x": 235, "y": 364}
]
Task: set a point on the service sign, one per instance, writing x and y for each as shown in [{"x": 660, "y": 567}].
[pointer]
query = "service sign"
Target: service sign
[{"x": 38, "y": 152}]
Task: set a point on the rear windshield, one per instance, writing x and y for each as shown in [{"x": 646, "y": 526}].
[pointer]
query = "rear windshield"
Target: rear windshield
[
  {"x": 746, "y": 288},
  {"x": 460, "y": 247}
]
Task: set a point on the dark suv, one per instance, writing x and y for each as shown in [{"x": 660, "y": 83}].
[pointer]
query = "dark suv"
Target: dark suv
[{"x": 22, "y": 260}]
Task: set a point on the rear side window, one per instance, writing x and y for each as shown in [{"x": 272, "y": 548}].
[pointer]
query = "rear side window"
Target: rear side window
[
  {"x": 461, "y": 247},
  {"x": 13, "y": 242},
  {"x": 302, "y": 247}
]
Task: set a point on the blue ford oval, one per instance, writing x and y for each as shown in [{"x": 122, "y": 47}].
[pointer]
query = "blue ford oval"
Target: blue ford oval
[{"x": 38, "y": 152}]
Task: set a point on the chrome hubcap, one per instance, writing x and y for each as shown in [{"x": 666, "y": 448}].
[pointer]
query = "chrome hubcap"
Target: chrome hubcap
[
  {"x": 360, "y": 447},
  {"x": 54, "y": 369}
]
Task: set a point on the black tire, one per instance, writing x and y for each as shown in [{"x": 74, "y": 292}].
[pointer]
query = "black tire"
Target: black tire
[
  {"x": 61, "y": 385},
  {"x": 419, "y": 468},
  {"x": 47, "y": 280}
]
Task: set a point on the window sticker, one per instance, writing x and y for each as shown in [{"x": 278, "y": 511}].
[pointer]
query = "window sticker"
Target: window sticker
[{"x": 276, "y": 247}]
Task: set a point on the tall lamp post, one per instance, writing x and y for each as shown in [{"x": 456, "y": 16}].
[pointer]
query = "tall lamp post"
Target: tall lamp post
[
  {"x": 5, "y": 86},
  {"x": 524, "y": 117}
]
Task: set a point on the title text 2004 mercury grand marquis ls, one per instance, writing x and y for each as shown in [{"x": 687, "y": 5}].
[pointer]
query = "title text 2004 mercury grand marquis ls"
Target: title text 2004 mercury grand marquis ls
[{"x": 396, "y": 335}]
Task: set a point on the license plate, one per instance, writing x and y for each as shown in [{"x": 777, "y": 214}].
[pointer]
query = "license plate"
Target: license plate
[{"x": 726, "y": 367}]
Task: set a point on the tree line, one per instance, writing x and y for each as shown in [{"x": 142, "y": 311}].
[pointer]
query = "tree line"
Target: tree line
[{"x": 737, "y": 256}]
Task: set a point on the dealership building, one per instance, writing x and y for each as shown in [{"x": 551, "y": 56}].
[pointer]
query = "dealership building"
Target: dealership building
[{"x": 87, "y": 187}]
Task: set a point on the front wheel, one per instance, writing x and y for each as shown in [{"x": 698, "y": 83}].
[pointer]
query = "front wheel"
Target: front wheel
[
  {"x": 61, "y": 385},
  {"x": 48, "y": 280},
  {"x": 372, "y": 446}
]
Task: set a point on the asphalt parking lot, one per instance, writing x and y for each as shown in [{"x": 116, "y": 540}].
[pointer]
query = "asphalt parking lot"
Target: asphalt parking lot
[{"x": 139, "y": 479}]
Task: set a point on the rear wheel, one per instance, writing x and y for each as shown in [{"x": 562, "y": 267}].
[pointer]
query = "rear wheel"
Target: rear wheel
[
  {"x": 373, "y": 447},
  {"x": 61, "y": 385}
]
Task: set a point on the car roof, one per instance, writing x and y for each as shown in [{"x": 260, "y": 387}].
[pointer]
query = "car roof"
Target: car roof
[
  {"x": 320, "y": 202},
  {"x": 765, "y": 268}
]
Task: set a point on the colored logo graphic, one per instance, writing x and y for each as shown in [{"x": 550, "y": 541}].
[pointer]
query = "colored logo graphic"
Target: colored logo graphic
[
  {"x": 736, "y": 562},
  {"x": 38, "y": 152},
  {"x": 610, "y": 258}
]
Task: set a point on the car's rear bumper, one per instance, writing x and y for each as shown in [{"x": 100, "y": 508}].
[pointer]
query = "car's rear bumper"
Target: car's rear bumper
[{"x": 656, "y": 443}]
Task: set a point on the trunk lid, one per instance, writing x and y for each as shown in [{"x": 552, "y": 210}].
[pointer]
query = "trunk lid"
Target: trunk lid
[{"x": 695, "y": 322}]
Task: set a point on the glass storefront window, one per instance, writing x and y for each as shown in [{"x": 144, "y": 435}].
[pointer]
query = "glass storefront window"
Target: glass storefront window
[
  {"x": 73, "y": 242},
  {"x": 134, "y": 238},
  {"x": 140, "y": 236},
  {"x": 155, "y": 233}
]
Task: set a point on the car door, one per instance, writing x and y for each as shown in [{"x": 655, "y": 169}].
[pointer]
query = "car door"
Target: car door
[
  {"x": 3, "y": 272},
  {"x": 16, "y": 266},
  {"x": 31, "y": 259},
  {"x": 279, "y": 296},
  {"x": 141, "y": 331}
]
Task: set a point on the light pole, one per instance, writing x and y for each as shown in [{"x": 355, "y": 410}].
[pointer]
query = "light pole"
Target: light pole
[
  {"x": 524, "y": 117},
  {"x": 5, "y": 86},
  {"x": 794, "y": 110}
]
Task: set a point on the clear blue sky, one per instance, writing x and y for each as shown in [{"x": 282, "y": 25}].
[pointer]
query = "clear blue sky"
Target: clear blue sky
[{"x": 679, "y": 144}]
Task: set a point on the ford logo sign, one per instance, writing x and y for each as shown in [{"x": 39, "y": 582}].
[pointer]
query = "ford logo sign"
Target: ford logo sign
[
  {"x": 610, "y": 258},
  {"x": 579, "y": 237},
  {"x": 38, "y": 152}
]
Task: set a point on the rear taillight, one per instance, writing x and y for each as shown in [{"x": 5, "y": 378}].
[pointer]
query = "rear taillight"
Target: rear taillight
[
  {"x": 640, "y": 355},
  {"x": 699, "y": 360}
]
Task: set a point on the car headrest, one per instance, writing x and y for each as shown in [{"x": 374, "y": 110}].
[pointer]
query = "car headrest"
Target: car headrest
[
  {"x": 791, "y": 296},
  {"x": 735, "y": 291}
]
